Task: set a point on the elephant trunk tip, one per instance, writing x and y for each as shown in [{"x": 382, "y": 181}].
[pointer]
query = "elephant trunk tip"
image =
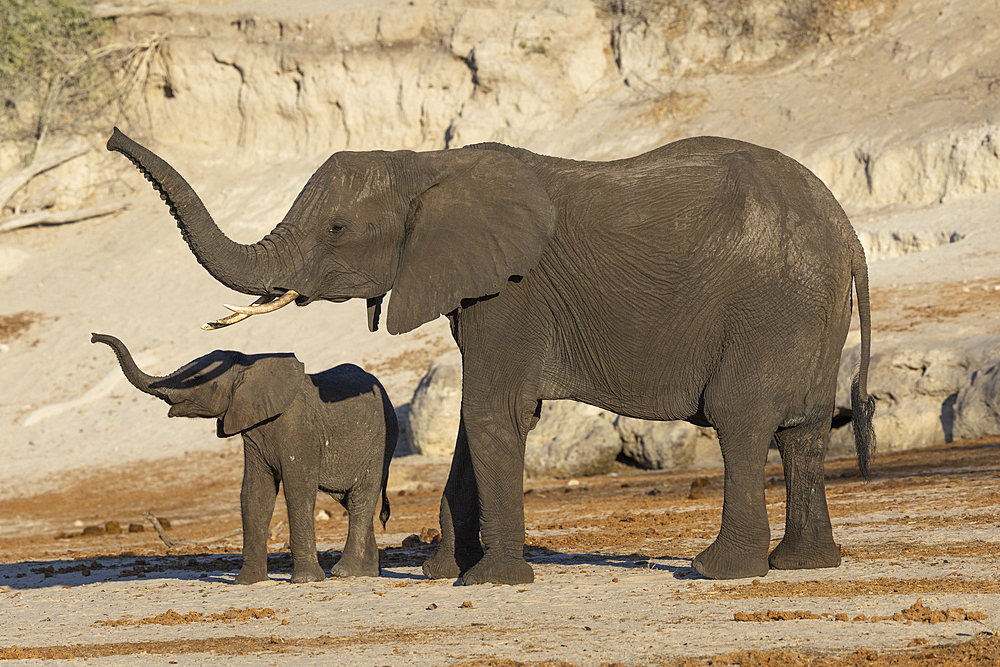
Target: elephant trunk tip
[
  {"x": 101, "y": 338},
  {"x": 115, "y": 139}
]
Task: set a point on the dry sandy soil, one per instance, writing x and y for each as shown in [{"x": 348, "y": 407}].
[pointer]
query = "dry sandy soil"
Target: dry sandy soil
[{"x": 918, "y": 584}]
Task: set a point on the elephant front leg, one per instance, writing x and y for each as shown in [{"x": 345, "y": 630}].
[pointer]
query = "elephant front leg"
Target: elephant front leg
[
  {"x": 496, "y": 446},
  {"x": 740, "y": 550},
  {"x": 260, "y": 489},
  {"x": 460, "y": 548},
  {"x": 300, "y": 482}
]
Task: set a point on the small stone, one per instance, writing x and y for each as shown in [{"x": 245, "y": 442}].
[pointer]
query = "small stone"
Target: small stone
[
  {"x": 91, "y": 531},
  {"x": 466, "y": 605},
  {"x": 136, "y": 528},
  {"x": 411, "y": 541},
  {"x": 112, "y": 528},
  {"x": 430, "y": 535},
  {"x": 322, "y": 515},
  {"x": 698, "y": 488},
  {"x": 432, "y": 606}
]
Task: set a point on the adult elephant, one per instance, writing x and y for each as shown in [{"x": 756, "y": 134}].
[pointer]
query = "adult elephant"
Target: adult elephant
[{"x": 708, "y": 280}]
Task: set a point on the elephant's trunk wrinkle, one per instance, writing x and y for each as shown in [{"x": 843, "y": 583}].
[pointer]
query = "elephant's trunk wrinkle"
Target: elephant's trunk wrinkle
[
  {"x": 224, "y": 259},
  {"x": 137, "y": 378},
  {"x": 271, "y": 251}
]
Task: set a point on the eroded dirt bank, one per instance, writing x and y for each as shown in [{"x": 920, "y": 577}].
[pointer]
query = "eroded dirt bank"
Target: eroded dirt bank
[{"x": 919, "y": 581}]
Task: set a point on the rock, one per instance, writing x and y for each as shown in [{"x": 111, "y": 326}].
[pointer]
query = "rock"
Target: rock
[
  {"x": 698, "y": 488},
  {"x": 517, "y": 55},
  {"x": 571, "y": 440},
  {"x": 430, "y": 535},
  {"x": 436, "y": 407},
  {"x": 112, "y": 528},
  {"x": 669, "y": 445},
  {"x": 916, "y": 384},
  {"x": 685, "y": 37},
  {"x": 977, "y": 407},
  {"x": 93, "y": 531},
  {"x": 136, "y": 528}
]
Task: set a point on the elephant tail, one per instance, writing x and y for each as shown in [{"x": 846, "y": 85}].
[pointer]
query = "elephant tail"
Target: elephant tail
[
  {"x": 863, "y": 404},
  {"x": 383, "y": 516}
]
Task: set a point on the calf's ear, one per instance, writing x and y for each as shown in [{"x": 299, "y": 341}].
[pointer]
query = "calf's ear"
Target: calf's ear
[{"x": 263, "y": 390}]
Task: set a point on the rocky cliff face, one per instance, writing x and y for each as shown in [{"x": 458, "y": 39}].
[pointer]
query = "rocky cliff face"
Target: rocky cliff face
[{"x": 426, "y": 74}]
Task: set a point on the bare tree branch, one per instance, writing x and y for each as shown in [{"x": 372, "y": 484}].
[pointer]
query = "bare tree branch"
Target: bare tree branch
[
  {"x": 171, "y": 543},
  {"x": 50, "y": 217},
  {"x": 108, "y": 10},
  {"x": 9, "y": 185}
]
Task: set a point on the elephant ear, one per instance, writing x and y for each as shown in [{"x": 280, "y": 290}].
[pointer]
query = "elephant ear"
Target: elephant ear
[
  {"x": 263, "y": 390},
  {"x": 486, "y": 219}
]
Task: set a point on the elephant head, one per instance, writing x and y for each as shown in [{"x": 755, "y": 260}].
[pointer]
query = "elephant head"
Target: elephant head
[
  {"x": 240, "y": 391},
  {"x": 434, "y": 228}
]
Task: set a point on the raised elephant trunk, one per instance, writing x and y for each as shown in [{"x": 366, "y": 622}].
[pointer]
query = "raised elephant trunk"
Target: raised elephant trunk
[
  {"x": 140, "y": 380},
  {"x": 249, "y": 269}
]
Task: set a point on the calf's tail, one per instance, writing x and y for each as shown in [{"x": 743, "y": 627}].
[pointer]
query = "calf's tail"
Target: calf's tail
[{"x": 383, "y": 516}]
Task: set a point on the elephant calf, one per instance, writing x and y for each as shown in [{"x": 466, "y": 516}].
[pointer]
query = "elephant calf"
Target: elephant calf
[{"x": 333, "y": 431}]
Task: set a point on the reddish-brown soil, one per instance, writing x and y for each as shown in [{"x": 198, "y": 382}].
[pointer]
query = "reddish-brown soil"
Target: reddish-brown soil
[{"x": 632, "y": 514}]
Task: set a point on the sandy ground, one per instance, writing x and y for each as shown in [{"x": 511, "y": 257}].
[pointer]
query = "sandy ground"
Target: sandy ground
[{"x": 919, "y": 582}]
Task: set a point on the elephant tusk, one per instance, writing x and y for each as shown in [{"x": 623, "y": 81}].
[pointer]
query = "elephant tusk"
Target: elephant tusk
[
  {"x": 237, "y": 317},
  {"x": 261, "y": 306},
  {"x": 224, "y": 322}
]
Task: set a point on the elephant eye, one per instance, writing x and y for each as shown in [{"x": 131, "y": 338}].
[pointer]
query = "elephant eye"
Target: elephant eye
[{"x": 336, "y": 228}]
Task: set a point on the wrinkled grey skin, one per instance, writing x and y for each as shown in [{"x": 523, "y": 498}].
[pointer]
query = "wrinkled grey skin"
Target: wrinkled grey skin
[
  {"x": 709, "y": 280},
  {"x": 333, "y": 431}
]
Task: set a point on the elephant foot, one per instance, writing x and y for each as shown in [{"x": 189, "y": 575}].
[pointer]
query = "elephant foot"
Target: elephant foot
[
  {"x": 499, "y": 570},
  {"x": 350, "y": 567},
  {"x": 717, "y": 562},
  {"x": 305, "y": 573},
  {"x": 446, "y": 564},
  {"x": 251, "y": 576},
  {"x": 800, "y": 555},
  {"x": 441, "y": 565}
]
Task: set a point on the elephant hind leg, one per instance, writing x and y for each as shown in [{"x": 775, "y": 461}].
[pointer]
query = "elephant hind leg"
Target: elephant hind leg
[
  {"x": 740, "y": 550},
  {"x": 808, "y": 541},
  {"x": 360, "y": 555},
  {"x": 459, "y": 549}
]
